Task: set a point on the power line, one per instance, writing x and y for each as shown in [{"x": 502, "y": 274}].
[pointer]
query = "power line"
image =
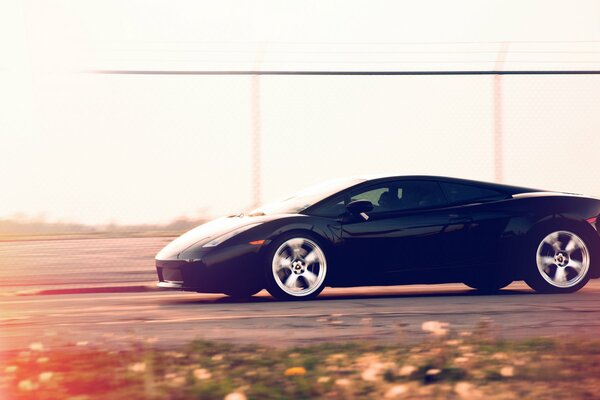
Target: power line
[
  {"x": 276, "y": 42},
  {"x": 342, "y": 73},
  {"x": 355, "y": 62},
  {"x": 221, "y": 51}
]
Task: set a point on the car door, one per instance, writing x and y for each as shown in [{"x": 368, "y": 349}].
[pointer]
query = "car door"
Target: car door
[
  {"x": 409, "y": 229},
  {"x": 488, "y": 221}
]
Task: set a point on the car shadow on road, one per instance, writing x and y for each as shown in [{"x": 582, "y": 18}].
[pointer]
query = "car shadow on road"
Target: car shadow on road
[{"x": 264, "y": 297}]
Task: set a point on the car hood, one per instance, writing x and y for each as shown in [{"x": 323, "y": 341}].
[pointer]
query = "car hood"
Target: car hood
[{"x": 208, "y": 231}]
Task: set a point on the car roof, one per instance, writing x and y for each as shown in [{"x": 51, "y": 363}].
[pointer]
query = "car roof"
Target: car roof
[{"x": 510, "y": 189}]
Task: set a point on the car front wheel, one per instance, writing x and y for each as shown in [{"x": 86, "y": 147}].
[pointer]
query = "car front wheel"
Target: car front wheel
[
  {"x": 562, "y": 262},
  {"x": 296, "y": 268}
]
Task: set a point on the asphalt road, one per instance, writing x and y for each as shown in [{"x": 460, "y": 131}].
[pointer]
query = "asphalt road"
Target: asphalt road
[
  {"x": 390, "y": 313},
  {"x": 172, "y": 318}
]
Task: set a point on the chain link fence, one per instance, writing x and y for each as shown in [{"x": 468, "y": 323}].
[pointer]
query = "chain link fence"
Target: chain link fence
[{"x": 314, "y": 128}]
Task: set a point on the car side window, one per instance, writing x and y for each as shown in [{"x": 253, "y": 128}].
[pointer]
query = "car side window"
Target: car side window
[
  {"x": 458, "y": 193},
  {"x": 402, "y": 195},
  {"x": 388, "y": 197},
  {"x": 420, "y": 194},
  {"x": 373, "y": 195}
]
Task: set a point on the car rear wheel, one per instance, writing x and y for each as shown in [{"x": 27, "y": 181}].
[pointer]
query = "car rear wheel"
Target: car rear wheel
[
  {"x": 296, "y": 268},
  {"x": 561, "y": 262}
]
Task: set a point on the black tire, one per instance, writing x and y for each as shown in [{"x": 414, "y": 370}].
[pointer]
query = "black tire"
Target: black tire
[
  {"x": 542, "y": 275},
  {"x": 275, "y": 285}
]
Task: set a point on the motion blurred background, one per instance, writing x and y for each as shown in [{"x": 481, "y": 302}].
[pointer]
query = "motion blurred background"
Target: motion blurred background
[{"x": 82, "y": 151}]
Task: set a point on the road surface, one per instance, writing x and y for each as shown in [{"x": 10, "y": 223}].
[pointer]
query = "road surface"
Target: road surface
[
  {"x": 173, "y": 318},
  {"x": 392, "y": 313}
]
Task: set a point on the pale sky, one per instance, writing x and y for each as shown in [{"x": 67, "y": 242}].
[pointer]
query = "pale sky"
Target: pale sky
[{"x": 143, "y": 149}]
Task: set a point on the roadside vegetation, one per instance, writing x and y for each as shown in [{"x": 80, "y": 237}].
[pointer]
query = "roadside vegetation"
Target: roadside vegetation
[
  {"x": 24, "y": 228},
  {"x": 449, "y": 365}
]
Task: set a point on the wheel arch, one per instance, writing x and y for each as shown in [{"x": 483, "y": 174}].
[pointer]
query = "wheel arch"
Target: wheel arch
[{"x": 313, "y": 234}]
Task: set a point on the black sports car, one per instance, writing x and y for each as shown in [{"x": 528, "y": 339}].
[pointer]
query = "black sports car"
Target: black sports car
[{"x": 390, "y": 231}]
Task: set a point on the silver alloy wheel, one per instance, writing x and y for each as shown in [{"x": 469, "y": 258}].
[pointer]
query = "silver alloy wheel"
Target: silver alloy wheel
[
  {"x": 563, "y": 259},
  {"x": 299, "y": 267}
]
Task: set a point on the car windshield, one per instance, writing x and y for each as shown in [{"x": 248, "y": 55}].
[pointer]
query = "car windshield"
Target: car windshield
[{"x": 305, "y": 198}]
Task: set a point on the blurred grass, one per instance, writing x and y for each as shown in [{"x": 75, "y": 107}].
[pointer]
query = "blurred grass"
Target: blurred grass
[{"x": 471, "y": 366}]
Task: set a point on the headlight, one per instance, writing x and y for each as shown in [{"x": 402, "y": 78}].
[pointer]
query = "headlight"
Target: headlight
[{"x": 220, "y": 239}]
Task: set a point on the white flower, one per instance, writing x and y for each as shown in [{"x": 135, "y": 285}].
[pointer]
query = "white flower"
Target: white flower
[
  {"x": 342, "y": 382},
  {"x": 407, "y": 370},
  {"x": 466, "y": 390},
  {"x": 435, "y": 327},
  {"x": 37, "y": 346},
  {"x": 371, "y": 373},
  {"x": 178, "y": 381},
  {"x": 395, "y": 391},
  {"x": 81, "y": 343},
  {"x": 45, "y": 376},
  {"x": 507, "y": 372},
  {"x": 336, "y": 357},
  {"x": 323, "y": 379},
  {"x": 26, "y": 385},
  {"x": 235, "y": 396},
  {"x": 138, "y": 367},
  {"x": 202, "y": 374},
  {"x": 433, "y": 371}
]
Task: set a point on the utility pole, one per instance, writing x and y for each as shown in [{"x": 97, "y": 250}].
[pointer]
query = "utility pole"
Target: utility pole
[
  {"x": 255, "y": 141},
  {"x": 498, "y": 115}
]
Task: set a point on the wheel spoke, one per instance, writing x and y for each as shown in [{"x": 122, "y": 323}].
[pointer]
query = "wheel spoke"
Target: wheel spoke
[
  {"x": 571, "y": 245},
  {"x": 291, "y": 281},
  {"x": 546, "y": 260},
  {"x": 560, "y": 276},
  {"x": 576, "y": 265},
  {"x": 552, "y": 240},
  {"x": 283, "y": 262},
  {"x": 311, "y": 258},
  {"x": 295, "y": 245},
  {"x": 310, "y": 277}
]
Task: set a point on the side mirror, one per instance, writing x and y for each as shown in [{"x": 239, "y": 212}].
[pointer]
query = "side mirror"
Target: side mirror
[{"x": 360, "y": 207}]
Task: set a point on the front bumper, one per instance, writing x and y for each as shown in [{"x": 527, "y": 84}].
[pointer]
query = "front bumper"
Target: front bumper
[
  {"x": 187, "y": 275},
  {"x": 170, "y": 285},
  {"x": 223, "y": 270}
]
